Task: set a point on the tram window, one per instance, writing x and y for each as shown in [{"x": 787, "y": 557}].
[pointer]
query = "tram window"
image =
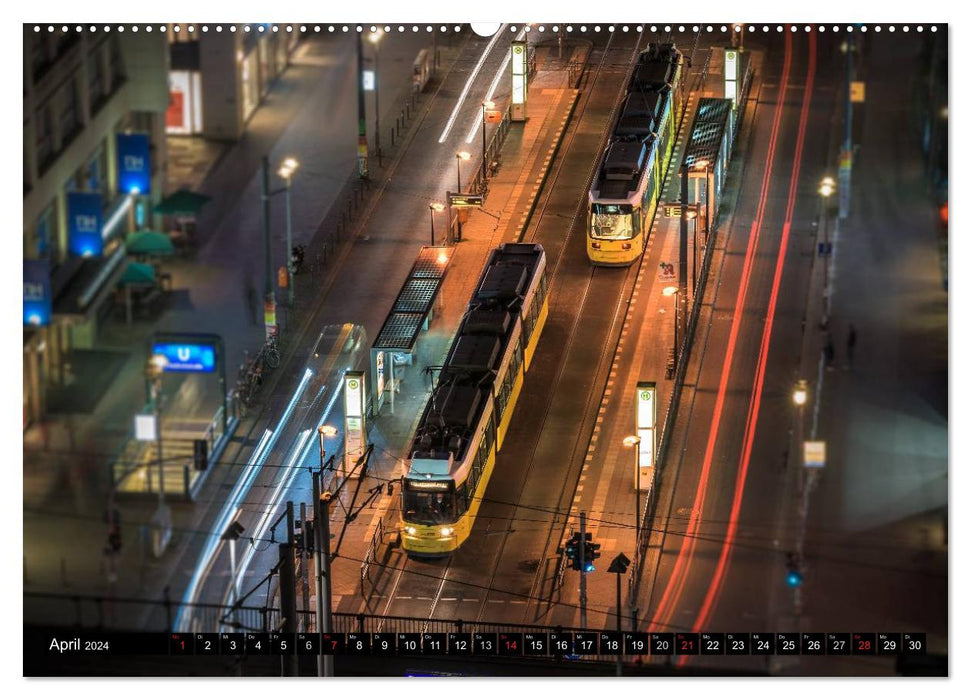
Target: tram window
[
  {"x": 462, "y": 494},
  {"x": 428, "y": 508},
  {"x": 611, "y": 221}
]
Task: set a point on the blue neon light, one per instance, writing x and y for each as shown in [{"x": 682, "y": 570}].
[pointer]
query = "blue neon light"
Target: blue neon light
[
  {"x": 37, "y": 293},
  {"x": 134, "y": 166},
  {"x": 187, "y": 357},
  {"x": 84, "y": 224}
]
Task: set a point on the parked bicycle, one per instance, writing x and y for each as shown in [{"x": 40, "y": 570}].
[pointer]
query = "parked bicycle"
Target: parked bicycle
[{"x": 271, "y": 352}]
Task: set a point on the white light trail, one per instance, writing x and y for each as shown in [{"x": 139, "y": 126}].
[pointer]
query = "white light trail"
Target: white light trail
[
  {"x": 468, "y": 85},
  {"x": 297, "y": 457},
  {"x": 477, "y": 122},
  {"x": 229, "y": 509}
]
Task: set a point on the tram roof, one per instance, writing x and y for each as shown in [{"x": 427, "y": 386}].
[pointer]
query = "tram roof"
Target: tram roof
[{"x": 470, "y": 368}]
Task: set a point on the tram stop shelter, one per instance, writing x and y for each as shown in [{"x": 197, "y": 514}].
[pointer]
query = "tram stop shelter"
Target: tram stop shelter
[
  {"x": 409, "y": 316},
  {"x": 707, "y": 156}
]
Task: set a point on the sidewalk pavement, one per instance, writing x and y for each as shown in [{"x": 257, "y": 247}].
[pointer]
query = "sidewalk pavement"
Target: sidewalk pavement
[{"x": 66, "y": 472}]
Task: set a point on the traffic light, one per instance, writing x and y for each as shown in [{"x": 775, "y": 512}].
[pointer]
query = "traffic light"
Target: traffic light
[
  {"x": 572, "y": 551},
  {"x": 793, "y": 571},
  {"x": 591, "y": 551}
]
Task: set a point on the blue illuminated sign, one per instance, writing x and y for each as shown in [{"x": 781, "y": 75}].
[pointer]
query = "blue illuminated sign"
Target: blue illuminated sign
[
  {"x": 37, "y": 293},
  {"x": 84, "y": 224},
  {"x": 187, "y": 357},
  {"x": 134, "y": 169}
]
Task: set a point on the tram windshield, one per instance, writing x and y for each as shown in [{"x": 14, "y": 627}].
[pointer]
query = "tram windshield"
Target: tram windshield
[
  {"x": 427, "y": 508},
  {"x": 612, "y": 221}
]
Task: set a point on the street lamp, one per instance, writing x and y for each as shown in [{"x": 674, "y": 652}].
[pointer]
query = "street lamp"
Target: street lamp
[
  {"x": 692, "y": 215},
  {"x": 800, "y": 395},
  {"x": 325, "y": 431},
  {"x": 161, "y": 521},
  {"x": 672, "y": 291},
  {"x": 432, "y": 208},
  {"x": 827, "y": 187},
  {"x": 487, "y": 104},
  {"x": 375, "y": 39},
  {"x": 232, "y": 534},
  {"x": 705, "y": 165},
  {"x": 635, "y": 442},
  {"x": 459, "y": 157},
  {"x": 286, "y": 171}
]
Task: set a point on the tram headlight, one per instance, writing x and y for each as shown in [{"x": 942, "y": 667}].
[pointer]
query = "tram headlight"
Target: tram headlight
[
  {"x": 411, "y": 530},
  {"x": 447, "y": 531}
]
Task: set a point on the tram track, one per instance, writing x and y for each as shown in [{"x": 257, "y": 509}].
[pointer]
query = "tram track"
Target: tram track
[
  {"x": 577, "y": 214},
  {"x": 447, "y": 569}
]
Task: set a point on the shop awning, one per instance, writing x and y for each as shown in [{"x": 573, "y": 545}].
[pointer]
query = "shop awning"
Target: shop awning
[
  {"x": 183, "y": 201},
  {"x": 149, "y": 243},
  {"x": 138, "y": 273}
]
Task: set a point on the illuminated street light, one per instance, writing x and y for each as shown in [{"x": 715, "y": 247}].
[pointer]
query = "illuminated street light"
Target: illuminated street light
[
  {"x": 800, "y": 393},
  {"x": 325, "y": 431},
  {"x": 672, "y": 291},
  {"x": 827, "y": 186},
  {"x": 432, "y": 208},
  {"x": 459, "y": 157},
  {"x": 635, "y": 441},
  {"x": 486, "y": 105},
  {"x": 286, "y": 171}
]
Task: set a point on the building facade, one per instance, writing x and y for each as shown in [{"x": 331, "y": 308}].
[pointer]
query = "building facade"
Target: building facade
[
  {"x": 218, "y": 77},
  {"x": 94, "y": 165}
]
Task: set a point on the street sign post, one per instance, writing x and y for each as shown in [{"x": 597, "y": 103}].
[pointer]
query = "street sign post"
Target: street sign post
[
  {"x": 731, "y": 74},
  {"x": 646, "y": 424},
  {"x": 355, "y": 430},
  {"x": 517, "y": 109},
  {"x": 814, "y": 454},
  {"x": 461, "y": 201}
]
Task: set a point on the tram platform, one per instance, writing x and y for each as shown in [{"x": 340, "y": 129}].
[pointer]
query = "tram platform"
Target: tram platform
[{"x": 367, "y": 555}]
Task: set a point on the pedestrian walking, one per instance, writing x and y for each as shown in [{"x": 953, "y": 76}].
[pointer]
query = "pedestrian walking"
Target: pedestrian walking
[
  {"x": 829, "y": 351},
  {"x": 850, "y": 345}
]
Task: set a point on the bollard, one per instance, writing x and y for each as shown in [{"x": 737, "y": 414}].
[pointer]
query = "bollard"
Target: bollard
[
  {"x": 64, "y": 580},
  {"x": 392, "y": 136},
  {"x": 407, "y": 110}
]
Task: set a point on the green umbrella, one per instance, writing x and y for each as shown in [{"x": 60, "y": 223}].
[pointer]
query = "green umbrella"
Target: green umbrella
[
  {"x": 183, "y": 201},
  {"x": 138, "y": 273},
  {"x": 149, "y": 243}
]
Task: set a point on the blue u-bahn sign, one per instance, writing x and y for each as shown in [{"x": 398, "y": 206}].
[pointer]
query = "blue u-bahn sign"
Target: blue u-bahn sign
[
  {"x": 134, "y": 169},
  {"x": 187, "y": 357}
]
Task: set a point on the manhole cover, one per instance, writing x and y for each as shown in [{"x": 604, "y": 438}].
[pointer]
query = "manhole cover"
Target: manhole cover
[
  {"x": 687, "y": 512},
  {"x": 529, "y": 566}
]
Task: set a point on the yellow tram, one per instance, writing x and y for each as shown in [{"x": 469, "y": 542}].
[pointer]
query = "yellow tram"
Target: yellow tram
[
  {"x": 624, "y": 195},
  {"x": 468, "y": 413}
]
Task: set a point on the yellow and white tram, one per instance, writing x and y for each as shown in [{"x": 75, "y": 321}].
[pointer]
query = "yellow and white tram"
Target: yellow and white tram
[
  {"x": 468, "y": 414},
  {"x": 625, "y": 192}
]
